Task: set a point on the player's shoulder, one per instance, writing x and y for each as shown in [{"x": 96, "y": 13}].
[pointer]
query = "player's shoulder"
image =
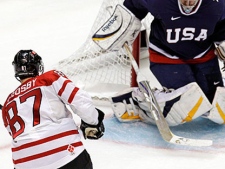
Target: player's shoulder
[
  {"x": 50, "y": 76},
  {"x": 54, "y": 73}
]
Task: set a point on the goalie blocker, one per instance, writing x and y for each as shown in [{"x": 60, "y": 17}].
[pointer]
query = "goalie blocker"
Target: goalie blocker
[
  {"x": 178, "y": 106},
  {"x": 122, "y": 27}
]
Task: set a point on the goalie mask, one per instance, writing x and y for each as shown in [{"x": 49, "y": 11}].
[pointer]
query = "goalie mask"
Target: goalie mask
[
  {"x": 27, "y": 63},
  {"x": 188, "y": 7}
]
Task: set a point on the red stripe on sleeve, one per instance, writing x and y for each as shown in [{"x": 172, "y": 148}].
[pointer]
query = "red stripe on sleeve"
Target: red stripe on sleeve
[
  {"x": 73, "y": 94},
  {"x": 63, "y": 87}
]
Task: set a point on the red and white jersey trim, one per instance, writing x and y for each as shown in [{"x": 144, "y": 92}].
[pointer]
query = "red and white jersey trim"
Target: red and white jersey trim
[
  {"x": 158, "y": 55},
  {"x": 56, "y": 145},
  {"x": 43, "y": 130}
]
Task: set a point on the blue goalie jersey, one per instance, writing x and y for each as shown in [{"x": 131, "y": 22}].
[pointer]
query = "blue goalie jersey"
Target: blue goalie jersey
[{"x": 178, "y": 35}]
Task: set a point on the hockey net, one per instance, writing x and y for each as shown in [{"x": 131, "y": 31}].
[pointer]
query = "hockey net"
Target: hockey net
[{"x": 102, "y": 73}]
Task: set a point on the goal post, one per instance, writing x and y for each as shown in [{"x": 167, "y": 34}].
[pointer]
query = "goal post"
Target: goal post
[
  {"x": 101, "y": 73},
  {"x": 136, "y": 53}
]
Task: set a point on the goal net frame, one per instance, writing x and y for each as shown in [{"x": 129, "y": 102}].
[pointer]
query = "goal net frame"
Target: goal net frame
[{"x": 103, "y": 73}]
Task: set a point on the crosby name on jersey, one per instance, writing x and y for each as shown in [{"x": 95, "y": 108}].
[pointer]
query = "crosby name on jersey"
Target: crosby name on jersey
[{"x": 41, "y": 128}]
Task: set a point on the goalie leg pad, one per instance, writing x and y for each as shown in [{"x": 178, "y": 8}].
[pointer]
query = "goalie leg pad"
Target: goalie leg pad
[
  {"x": 217, "y": 113},
  {"x": 145, "y": 115},
  {"x": 179, "y": 106},
  {"x": 188, "y": 103},
  {"x": 124, "y": 107}
]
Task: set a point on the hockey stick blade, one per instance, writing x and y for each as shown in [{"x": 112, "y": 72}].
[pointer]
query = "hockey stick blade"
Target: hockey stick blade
[
  {"x": 190, "y": 142},
  {"x": 161, "y": 122}
]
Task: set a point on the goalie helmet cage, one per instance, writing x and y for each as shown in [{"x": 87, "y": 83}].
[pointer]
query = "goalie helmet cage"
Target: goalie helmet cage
[{"x": 100, "y": 73}]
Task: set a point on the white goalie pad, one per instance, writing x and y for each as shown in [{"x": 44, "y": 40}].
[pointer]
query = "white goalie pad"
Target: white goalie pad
[
  {"x": 217, "y": 113},
  {"x": 189, "y": 103},
  {"x": 181, "y": 105},
  {"x": 178, "y": 106},
  {"x": 124, "y": 107},
  {"x": 121, "y": 27}
]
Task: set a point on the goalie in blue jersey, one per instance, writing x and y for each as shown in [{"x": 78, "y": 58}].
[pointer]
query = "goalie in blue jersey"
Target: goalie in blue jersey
[{"x": 186, "y": 39}]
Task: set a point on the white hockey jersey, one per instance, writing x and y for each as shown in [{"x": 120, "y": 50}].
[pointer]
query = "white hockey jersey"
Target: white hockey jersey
[{"x": 44, "y": 134}]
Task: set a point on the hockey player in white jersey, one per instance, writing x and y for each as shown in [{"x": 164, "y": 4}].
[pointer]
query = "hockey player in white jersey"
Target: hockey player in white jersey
[{"x": 44, "y": 134}]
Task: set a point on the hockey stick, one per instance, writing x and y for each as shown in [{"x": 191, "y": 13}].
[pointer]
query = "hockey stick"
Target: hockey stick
[{"x": 154, "y": 108}]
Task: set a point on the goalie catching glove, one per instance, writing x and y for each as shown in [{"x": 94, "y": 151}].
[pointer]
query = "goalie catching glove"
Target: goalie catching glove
[
  {"x": 93, "y": 131},
  {"x": 178, "y": 106},
  {"x": 122, "y": 27}
]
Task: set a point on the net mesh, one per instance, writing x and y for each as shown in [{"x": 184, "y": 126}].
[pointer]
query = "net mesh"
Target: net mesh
[{"x": 99, "y": 72}]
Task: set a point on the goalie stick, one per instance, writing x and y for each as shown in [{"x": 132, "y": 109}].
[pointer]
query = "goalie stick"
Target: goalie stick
[
  {"x": 126, "y": 32},
  {"x": 154, "y": 108}
]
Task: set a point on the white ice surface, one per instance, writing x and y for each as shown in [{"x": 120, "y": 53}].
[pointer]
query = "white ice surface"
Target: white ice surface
[{"x": 55, "y": 29}]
